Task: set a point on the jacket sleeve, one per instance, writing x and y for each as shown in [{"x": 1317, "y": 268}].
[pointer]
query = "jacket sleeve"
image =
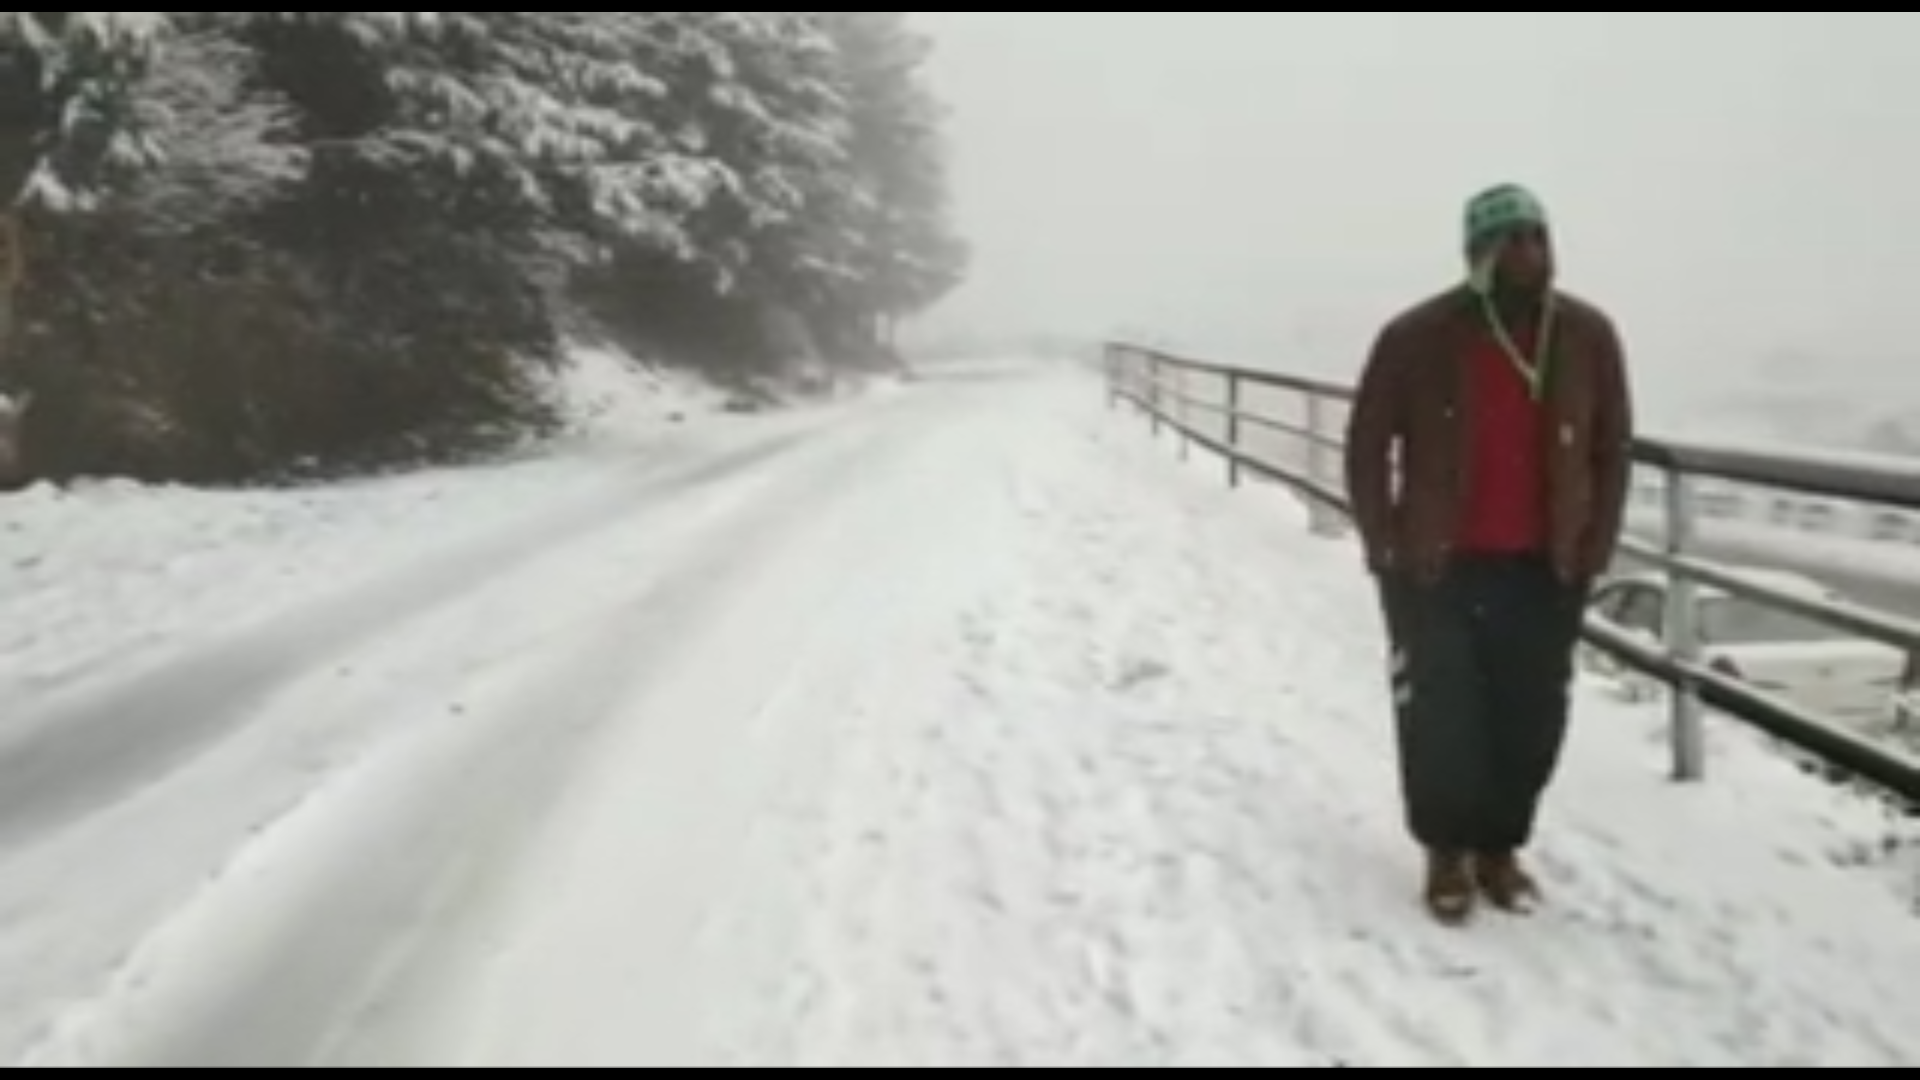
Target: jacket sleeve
[
  {"x": 1374, "y": 434},
  {"x": 1613, "y": 446}
]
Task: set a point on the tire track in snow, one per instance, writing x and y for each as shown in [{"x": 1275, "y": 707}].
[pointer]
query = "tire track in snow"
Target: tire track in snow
[
  {"x": 712, "y": 894},
  {"x": 347, "y": 912},
  {"x": 62, "y": 762},
  {"x": 972, "y": 894}
]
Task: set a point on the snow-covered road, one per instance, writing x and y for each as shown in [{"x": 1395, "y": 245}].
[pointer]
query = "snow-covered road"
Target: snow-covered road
[{"x": 954, "y": 726}]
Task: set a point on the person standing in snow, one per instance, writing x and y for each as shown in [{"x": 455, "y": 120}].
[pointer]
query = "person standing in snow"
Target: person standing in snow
[{"x": 1489, "y": 462}]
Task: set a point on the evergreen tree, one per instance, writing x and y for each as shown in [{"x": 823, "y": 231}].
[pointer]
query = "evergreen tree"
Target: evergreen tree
[{"x": 272, "y": 240}]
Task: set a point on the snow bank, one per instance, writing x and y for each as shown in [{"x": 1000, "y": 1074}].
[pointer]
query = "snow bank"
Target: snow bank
[
  {"x": 604, "y": 392},
  {"x": 111, "y": 575}
]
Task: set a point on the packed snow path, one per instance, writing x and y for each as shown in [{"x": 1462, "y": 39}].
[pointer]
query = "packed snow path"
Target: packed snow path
[{"x": 959, "y": 727}]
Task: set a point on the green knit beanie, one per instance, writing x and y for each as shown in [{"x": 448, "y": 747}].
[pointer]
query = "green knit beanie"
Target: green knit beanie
[{"x": 1493, "y": 216}]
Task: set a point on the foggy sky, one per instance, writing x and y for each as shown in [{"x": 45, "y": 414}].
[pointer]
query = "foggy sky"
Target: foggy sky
[{"x": 1270, "y": 185}]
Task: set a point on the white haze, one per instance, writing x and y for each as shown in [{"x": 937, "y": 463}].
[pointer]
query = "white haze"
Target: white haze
[{"x": 1742, "y": 189}]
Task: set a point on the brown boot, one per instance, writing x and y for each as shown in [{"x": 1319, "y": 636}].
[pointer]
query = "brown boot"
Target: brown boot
[
  {"x": 1508, "y": 886},
  {"x": 1452, "y": 893}
]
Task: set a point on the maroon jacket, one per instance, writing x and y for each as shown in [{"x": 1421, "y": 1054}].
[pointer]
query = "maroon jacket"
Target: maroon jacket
[{"x": 1410, "y": 438}]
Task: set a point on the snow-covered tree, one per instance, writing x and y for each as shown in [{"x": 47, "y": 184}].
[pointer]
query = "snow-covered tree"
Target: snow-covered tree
[
  {"x": 834, "y": 204},
  {"x": 68, "y": 81},
  {"x": 221, "y": 149},
  {"x": 912, "y": 258},
  {"x": 349, "y": 236},
  {"x": 500, "y": 120},
  {"x": 759, "y": 91}
]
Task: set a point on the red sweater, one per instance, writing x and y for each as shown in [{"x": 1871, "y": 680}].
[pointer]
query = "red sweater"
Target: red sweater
[{"x": 1507, "y": 480}]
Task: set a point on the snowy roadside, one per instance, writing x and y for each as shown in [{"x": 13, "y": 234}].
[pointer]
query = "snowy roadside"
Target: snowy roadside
[
  {"x": 343, "y": 675},
  {"x": 368, "y": 804},
  {"x": 982, "y": 733},
  {"x": 101, "y": 580},
  {"x": 298, "y": 889},
  {"x": 1138, "y": 810}
]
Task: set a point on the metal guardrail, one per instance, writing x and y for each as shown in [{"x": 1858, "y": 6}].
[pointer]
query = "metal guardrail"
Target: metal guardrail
[{"x": 1242, "y": 416}]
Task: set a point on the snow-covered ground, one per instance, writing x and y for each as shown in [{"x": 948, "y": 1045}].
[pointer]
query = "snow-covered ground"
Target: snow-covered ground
[{"x": 957, "y": 725}]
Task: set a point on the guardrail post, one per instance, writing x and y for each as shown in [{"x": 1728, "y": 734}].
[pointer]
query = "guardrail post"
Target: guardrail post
[
  {"x": 1324, "y": 520},
  {"x": 1683, "y": 631},
  {"x": 1184, "y": 392},
  {"x": 1156, "y": 392},
  {"x": 1236, "y": 400}
]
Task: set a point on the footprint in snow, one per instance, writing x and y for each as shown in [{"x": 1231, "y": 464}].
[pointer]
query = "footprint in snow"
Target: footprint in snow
[{"x": 1136, "y": 674}]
